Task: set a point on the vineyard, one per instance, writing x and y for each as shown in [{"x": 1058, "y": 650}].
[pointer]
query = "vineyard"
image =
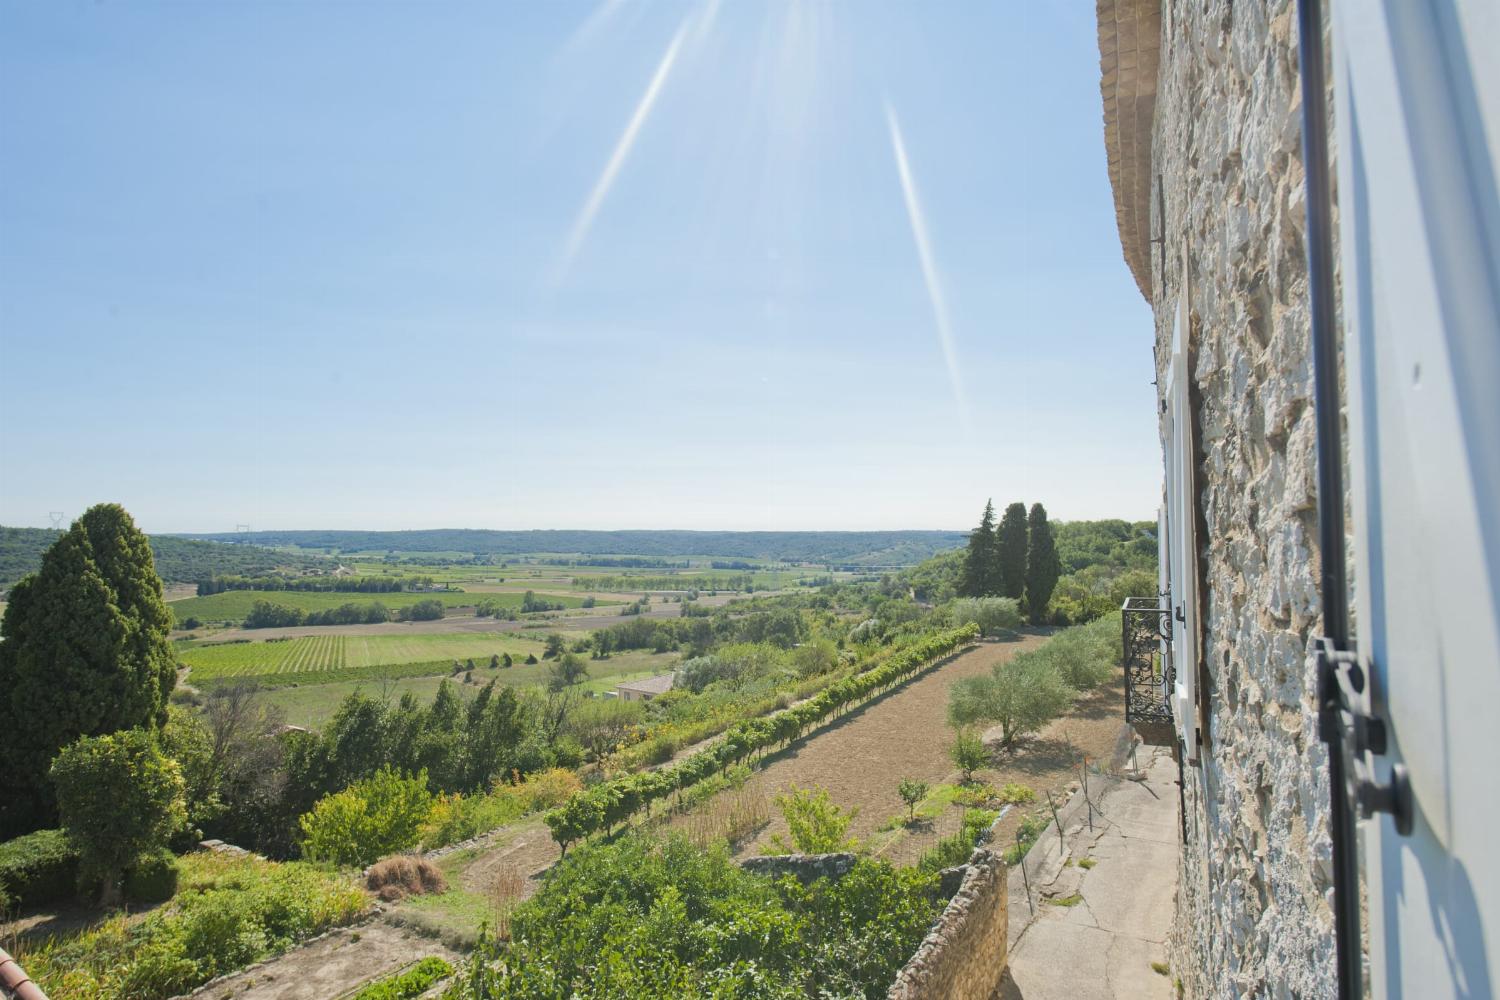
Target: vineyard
[
  {"x": 608, "y": 804},
  {"x": 325, "y": 658},
  {"x": 234, "y": 605}
]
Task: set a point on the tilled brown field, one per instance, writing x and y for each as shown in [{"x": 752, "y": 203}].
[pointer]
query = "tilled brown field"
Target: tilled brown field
[{"x": 861, "y": 759}]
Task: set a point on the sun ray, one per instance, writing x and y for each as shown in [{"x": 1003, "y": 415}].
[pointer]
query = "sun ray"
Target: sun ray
[
  {"x": 934, "y": 285},
  {"x": 585, "y": 221}
]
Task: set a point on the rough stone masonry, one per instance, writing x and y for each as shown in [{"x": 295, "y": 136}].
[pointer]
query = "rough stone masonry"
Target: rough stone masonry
[
  {"x": 1253, "y": 917},
  {"x": 964, "y": 953}
]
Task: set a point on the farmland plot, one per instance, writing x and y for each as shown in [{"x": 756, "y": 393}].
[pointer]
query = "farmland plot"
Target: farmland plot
[
  {"x": 324, "y": 659},
  {"x": 234, "y": 605}
]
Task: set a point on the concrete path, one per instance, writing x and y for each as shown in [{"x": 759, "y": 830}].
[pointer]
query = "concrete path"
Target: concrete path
[{"x": 1097, "y": 929}]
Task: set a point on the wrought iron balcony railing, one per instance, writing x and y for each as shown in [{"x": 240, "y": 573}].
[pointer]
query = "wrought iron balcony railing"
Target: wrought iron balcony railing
[{"x": 1146, "y": 631}]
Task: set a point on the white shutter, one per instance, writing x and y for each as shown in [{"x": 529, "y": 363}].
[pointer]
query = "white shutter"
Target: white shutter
[
  {"x": 1419, "y": 160},
  {"x": 1163, "y": 590},
  {"x": 1182, "y": 546}
]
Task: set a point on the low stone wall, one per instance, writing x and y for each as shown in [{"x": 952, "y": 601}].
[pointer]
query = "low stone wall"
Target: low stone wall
[
  {"x": 963, "y": 956},
  {"x": 807, "y": 868}
]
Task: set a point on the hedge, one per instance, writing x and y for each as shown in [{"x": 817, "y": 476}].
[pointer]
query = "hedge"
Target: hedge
[
  {"x": 152, "y": 878},
  {"x": 612, "y": 802},
  {"x": 39, "y": 868}
]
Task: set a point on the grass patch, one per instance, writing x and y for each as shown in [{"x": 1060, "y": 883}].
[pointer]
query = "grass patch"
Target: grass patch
[
  {"x": 937, "y": 801},
  {"x": 1027, "y": 832},
  {"x": 227, "y": 913},
  {"x": 1072, "y": 900},
  {"x": 955, "y": 850},
  {"x": 1161, "y": 968},
  {"x": 1086, "y": 863},
  {"x": 409, "y": 984},
  {"x": 454, "y": 917}
]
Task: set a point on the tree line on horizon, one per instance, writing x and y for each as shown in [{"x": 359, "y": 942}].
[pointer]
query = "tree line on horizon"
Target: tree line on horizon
[{"x": 1015, "y": 559}]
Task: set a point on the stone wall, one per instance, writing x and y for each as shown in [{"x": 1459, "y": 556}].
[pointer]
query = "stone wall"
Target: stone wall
[
  {"x": 963, "y": 956},
  {"x": 1252, "y": 916},
  {"x": 806, "y": 867}
]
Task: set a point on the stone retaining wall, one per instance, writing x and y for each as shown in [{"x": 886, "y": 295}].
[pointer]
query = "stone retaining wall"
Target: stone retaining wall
[
  {"x": 806, "y": 867},
  {"x": 963, "y": 955}
]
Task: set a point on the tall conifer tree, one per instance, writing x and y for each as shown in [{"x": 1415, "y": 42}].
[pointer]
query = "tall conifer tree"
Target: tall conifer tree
[
  {"x": 85, "y": 653},
  {"x": 1011, "y": 541},
  {"x": 980, "y": 575},
  {"x": 1042, "y": 565}
]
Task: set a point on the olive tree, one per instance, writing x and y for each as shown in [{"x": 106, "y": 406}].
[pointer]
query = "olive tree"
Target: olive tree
[
  {"x": 991, "y": 614},
  {"x": 1020, "y": 696}
]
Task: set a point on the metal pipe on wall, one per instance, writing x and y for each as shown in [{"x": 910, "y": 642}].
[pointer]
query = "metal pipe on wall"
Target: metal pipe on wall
[{"x": 1334, "y": 588}]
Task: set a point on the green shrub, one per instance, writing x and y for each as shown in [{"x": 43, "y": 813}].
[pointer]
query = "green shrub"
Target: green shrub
[
  {"x": 1026, "y": 834},
  {"x": 1084, "y": 656},
  {"x": 1022, "y": 695},
  {"x": 459, "y": 817},
  {"x": 119, "y": 797},
  {"x": 638, "y": 918},
  {"x": 368, "y": 820},
  {"x": 227, "y": 912},
  {"x": 968, "y": 754},
  {"x": 993, "y": 615},
  {"x": 816, "y": 825},
  {"x": 41, "y": 867},
  {"x": 1014, "y": 793},
  {"x": 152, "y": 878},
  {"x": 955, "y": 850},
  {"x": 912, "y": 792},
  {"x": 406, "y": 985}
]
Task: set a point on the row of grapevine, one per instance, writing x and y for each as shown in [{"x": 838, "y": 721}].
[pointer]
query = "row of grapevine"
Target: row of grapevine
[{"x": 612, "y": 802}]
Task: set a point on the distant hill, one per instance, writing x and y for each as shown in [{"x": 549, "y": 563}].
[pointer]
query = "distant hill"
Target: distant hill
[
  {"x": 178, "y": 560},
  {"x": 855, "y": 548}
]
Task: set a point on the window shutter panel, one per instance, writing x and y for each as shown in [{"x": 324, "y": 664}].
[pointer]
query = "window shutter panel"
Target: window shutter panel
[{"x": 1182, "y": 517}]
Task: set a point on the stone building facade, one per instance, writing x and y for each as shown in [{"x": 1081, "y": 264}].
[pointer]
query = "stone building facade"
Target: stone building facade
[{"x": 1202, "y": 117}]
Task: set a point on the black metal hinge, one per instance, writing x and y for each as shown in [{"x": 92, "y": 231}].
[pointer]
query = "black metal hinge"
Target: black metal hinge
[{"x": 1356, "y": 735}]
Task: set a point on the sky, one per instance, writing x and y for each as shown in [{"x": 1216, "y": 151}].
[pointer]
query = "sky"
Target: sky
[{"x": 746, "y": 264}]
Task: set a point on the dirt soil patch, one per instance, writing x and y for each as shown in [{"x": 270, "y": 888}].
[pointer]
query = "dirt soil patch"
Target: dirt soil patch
[
  {"x": 526, "y": 850},
  {"x": 332, "y": 965},
  {"x": 905, "y": 734}
]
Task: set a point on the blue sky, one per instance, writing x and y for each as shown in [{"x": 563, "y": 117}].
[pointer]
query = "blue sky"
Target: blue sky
[{"x": 592, "y": 265}]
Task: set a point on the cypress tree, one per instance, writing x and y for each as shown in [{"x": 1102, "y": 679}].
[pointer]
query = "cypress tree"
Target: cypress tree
[
  {"x": 85, "y": 653},
  {"x": 1011, "y": 542},
  {"x": 1042, "y": 565},
  {"x": 980, "y": 574}
]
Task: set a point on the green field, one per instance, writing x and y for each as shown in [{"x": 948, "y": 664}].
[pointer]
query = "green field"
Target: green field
[
  {"x": 540, "y": 576},
  {"x": 234, "y": 605},
  {"x": 311, "y": 705},
  {"x": 319, "y": 658}
]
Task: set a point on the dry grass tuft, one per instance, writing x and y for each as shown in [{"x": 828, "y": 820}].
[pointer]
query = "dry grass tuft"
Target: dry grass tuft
[
  {"x": 402, "y": 875},
  {"x": 733, "y": 816},
  {"x": 505, "y": 894}
]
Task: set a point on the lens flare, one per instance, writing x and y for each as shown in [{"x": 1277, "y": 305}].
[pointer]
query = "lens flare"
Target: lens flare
[
  {"x": 929, "y": 267},
  {"x": 617, "y": 158}
]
